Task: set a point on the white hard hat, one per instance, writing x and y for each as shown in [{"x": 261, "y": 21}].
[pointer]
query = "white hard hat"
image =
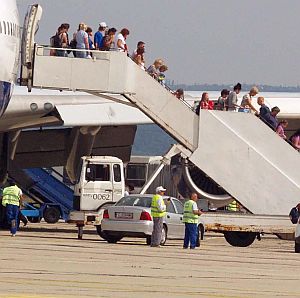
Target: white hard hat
[{"x": 159, "y": 189}]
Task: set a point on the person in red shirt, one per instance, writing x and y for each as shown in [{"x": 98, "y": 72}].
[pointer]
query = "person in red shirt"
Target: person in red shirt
[{"x": 205, "y": 103}]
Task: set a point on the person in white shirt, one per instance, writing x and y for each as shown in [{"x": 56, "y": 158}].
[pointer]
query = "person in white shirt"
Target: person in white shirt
[{"x": 121, "y": 40}]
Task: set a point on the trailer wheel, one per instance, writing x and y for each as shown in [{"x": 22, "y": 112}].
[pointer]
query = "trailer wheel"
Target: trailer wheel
[
  {"x": 240, "y": 239},
  {"x": 297, "y": 247},
  {"x": 51, "y": 215},
  {"x": 200, "y": 235},
  {"x": 33, "y": 219}
]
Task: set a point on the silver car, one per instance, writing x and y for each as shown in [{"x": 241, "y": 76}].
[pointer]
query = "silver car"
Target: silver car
[{"x": 131, "y": 217}]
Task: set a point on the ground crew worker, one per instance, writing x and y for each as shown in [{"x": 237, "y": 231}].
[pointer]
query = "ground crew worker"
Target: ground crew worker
[
  {"x": 11, "y": 197},
  {"x": 190, "y": 219},
  {"x": 158, "y": 212}
]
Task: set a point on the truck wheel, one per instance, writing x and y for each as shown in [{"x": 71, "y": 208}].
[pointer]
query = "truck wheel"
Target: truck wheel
[
  {"x": 51, "y": 215},
  {"x": 164, "y": 235},
  {"x": 297, "y": 247},
  {"x": 240, "y": 239},
  {"x": 101, "y": 233}
]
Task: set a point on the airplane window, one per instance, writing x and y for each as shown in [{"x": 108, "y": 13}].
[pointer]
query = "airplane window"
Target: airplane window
[
  {"x": 11, "y": 29},
  {"x": 8, "y": 29},
  {"x": 4, "y": 27},
  {"x": 0, "y": 28}
]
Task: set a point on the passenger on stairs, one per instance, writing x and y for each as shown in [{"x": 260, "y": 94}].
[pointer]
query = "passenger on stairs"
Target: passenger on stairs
[
  {"x": 153, "y": 69},
  {"x": 271, "y": 118},
  {"x": 161, "y": 76},
  {"x": 295, "y": 139},
  {"x": 121, "y": 40},
  {"x": 281, "y": 127},
  {"x": 264, "y": 110},
  {"x": 222, "y": 100},
  {"x": 140, "y": 45},
  {"x": 82, "y": 41},
  {"x": 139, "y": 58},
  {"x": 99, "y": 35},
  {"x": 205, "y": 103},
  {"x": 246, "y": 104},
  {"x": 109, "y": 40},
  {"x": 179, "y": 93},
  {"x": 89, "y": 32},
  {"x": 233, "y": 99}
]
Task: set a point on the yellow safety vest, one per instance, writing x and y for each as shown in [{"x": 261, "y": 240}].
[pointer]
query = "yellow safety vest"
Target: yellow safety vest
[
  {"x": 155, "y": 212},
  {"x": 232, "y": 206},
  {"x": 188, "y": 214},
  {"x": 11, "y": 195}
]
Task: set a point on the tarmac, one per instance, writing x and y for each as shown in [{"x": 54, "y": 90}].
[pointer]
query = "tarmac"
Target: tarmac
[{"x": 49, "y": 261}]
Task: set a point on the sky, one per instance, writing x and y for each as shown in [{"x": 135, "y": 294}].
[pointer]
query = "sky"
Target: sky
[{"x": 212, "y": 41}]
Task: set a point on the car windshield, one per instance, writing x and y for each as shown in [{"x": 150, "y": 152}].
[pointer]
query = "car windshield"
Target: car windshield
[{"x": 135, "y": 201}]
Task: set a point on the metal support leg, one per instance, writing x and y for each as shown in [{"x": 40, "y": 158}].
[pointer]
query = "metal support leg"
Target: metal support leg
[
  {"x": 175, "y": 149},
  {"x": 80, "y": 232}
]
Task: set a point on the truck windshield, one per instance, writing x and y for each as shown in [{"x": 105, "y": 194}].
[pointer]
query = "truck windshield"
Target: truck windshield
[
  {"x": 135, "y": 201},
  {"x": 136, "y": 174},
  {"x": 97, "y": 172}
]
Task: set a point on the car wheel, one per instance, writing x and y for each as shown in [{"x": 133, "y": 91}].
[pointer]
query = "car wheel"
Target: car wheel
[
  {"x": 101, "y": 233},
  {"x": 113, "y": 239},
  {"x": 164, "y": 235},
  {"x": 148, "y": 240},
  {"x": 297, "y": 247}
]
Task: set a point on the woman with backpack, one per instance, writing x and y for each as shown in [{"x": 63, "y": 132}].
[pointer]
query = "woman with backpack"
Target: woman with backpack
[{"x": 60, "y": 40}]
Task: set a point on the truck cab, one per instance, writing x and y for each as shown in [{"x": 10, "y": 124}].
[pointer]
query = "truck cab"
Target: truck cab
[{"x": 100, "y": 182}]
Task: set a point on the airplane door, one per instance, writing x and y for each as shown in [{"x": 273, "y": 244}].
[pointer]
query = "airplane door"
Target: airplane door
[{"x": 30, "y": 27}]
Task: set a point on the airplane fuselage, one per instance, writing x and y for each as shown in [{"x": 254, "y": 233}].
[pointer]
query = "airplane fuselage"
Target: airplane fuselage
[{"x": 10, "y": 47}]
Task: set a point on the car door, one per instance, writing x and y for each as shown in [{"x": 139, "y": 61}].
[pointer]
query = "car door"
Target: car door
[
  {"x": 180, "y": 226},
  {"x": 173, "y": 220},
  {"x": 98, "y": 186}
]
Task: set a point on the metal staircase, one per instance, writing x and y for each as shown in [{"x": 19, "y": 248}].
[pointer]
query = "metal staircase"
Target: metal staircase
[{"x": 237, "y": 150}]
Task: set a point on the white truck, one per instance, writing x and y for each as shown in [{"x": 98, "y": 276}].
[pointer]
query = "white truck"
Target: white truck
[{"x": 101, "y": 182}]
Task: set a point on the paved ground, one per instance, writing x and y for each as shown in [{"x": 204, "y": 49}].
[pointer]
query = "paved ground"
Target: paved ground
[{"x": 45, "y": 262}]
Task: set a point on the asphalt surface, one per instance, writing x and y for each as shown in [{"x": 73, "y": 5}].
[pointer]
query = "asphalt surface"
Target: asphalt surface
[{"x": 48, "y": 261}]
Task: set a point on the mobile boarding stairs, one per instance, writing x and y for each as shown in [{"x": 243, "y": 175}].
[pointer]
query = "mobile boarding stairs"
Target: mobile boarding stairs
[{"x": 237, "y": 150}]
